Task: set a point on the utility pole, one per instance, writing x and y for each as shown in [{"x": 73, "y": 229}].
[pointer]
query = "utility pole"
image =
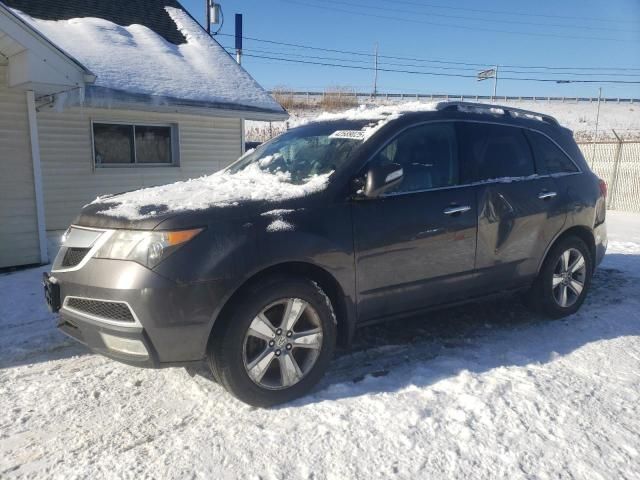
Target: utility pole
[
  {"x": 595, "y": 136},
  {"x": 495, "y": 83},
  {"x": 375, "y": 72},
  {"x": 239, "y": 38},
  {"x": 208, "y": 15}
]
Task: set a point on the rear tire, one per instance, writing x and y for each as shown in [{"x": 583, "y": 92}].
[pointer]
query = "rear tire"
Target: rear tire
[
  {"x": 276, "y": 344},
  {"x": 564, "y": 279}
]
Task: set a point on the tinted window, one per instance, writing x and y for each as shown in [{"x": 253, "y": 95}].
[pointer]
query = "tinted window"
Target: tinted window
[
  {"x": 131, "y": 144},
  {"x": 494, "y": 151},
  {"x": 428, "y": 155},
  {"x": 549, "y": 157}
]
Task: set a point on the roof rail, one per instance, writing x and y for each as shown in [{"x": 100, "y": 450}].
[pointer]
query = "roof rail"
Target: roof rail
[{"x": 497, "y": 110}]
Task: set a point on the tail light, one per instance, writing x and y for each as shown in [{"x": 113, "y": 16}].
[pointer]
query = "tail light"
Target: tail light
[{"x": 603, "y": 187}]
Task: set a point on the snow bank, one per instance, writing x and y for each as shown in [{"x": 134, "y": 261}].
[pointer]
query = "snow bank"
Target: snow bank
[
  {"x": 485, "y": 391},
  {"x": 218, "y": 190},
  {"x": 137, "y": 60}
]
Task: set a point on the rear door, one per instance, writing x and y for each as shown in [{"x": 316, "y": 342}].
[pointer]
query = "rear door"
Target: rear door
[
  {"x": 519, "y": 207},
  {"x": 415, "y": 246}
]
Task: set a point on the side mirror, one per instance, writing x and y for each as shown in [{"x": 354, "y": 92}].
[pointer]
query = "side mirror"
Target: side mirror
[{"x": 381, "y": 178}]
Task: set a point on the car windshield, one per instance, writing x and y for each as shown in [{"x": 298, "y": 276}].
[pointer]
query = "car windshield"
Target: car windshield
[{"x": 304, "y": 152}]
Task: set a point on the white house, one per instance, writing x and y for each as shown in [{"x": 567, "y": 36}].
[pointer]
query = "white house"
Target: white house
[{"x": 104, "y": 97}]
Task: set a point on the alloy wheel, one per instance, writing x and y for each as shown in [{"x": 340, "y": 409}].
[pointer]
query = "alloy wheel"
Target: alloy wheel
[
  {"x": 282, "y": 344},
  {"x": 569, "y": 276}
]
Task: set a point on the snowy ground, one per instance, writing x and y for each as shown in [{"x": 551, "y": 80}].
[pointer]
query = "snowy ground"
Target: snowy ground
[{"x": 484, "y": 391}]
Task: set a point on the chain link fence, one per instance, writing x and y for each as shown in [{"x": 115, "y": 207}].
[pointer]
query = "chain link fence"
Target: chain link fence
[{"x": 617, "y": 162}]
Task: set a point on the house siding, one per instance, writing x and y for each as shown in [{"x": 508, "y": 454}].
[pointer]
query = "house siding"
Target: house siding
[
  {"x": 70, "y": 179},
  {"x": 19, "y": 243}
]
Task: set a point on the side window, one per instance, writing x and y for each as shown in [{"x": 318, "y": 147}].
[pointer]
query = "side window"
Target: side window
[
  {"x": 548, "y": 156},
  {"x": 494, "y": 151},
  {"x": 428, "y": 155}
]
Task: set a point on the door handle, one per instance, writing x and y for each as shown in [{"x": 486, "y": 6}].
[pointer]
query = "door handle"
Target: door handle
[
  {"x": 456, "y": 210},
  {"x": 545, "y": 195}
]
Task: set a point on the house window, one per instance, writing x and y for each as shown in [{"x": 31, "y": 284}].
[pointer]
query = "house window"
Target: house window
[{"x": 117, "y": 144}]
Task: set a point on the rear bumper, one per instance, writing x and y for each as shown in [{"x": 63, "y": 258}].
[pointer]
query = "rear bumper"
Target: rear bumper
[
  {"x": 170, "y": 322},
  {"x": 600, "y": 236}
]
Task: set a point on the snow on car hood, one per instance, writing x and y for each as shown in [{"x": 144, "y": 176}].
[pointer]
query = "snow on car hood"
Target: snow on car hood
[{"x": 222, "y": 189}]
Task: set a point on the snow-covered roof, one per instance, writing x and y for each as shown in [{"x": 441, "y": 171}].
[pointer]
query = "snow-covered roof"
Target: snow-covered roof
[{"x": 169, "y": 57}]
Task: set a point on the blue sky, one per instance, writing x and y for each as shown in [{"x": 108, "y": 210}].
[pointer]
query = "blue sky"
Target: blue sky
[{"x": 571, "y": 33}]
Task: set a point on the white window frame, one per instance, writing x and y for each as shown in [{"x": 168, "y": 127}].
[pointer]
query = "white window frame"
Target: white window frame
[{"x": 175, "y": 144}]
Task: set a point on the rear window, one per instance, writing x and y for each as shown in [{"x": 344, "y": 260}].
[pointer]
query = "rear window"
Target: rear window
[
  {"x": 494, "y": 151},
  {"x": 549, "y": 157}
]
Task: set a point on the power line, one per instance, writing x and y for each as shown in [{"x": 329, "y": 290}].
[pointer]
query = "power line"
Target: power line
[
  {"x": 397, "y": 64},
  {"x": 439, "y": 61},
  {"x": 519, "y": 14},
  {"x": 449, "y": 25},
  {"x": 440, "y": 74},
  {"x": 481, "y": 19}
]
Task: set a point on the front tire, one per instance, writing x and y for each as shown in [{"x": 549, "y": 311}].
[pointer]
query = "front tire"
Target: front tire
[
  {"x": 276, "y": 344},
  {"x": 564, "y": 279}
]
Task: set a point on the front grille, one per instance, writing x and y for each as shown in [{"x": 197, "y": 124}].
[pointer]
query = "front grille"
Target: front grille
[
  {"x": 115, "y": 311},
  {"x": 73, "y": 256}
]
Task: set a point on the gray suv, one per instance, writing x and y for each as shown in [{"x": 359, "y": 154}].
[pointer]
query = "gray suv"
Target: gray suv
[{"x": 263, "y": 268}]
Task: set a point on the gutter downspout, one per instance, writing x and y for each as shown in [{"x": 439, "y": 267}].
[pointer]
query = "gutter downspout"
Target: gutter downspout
[
  {"x": 242, "y": 137},
  {"x": 37, "y": 175}
]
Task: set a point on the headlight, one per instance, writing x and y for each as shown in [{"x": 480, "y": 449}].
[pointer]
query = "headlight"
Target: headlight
[{"x": 146, "y": 247}]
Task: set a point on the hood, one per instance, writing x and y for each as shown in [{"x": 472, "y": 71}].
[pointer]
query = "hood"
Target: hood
[{"x": 191, "y": 202}]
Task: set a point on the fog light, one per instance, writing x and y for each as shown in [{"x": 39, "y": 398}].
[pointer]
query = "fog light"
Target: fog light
[{"x": 130, "y": 346}]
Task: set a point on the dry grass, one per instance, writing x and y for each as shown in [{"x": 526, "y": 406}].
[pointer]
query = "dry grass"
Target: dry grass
[
  {"x": 287, "y": 99},
  {"x": 338, "y": 98},
  {"x": 264, "y": 132},
  {"x": 334, "y": 98}
]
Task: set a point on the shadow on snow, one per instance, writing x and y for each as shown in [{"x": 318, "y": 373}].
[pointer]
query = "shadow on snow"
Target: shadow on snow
[{"x": 420, "y": 351}]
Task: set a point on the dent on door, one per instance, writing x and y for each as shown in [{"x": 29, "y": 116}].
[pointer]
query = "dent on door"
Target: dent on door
[
  {"x": 498, "y": 217},
  {"x": 515, "y": 224}
]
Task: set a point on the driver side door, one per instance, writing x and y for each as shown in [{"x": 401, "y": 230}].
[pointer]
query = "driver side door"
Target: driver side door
[{"x": 415, "y": 245}]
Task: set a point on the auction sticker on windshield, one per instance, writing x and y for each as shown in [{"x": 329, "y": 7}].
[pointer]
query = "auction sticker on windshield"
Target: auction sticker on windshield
[{"x": 352, "y": 134}]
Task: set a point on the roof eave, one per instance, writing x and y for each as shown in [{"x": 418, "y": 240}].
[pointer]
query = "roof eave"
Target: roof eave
[
  {"x": 102, "y": 97},
  {"x": 89, "y": 76}
]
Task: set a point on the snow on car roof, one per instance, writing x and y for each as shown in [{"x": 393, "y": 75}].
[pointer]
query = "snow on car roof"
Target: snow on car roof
[
  {"x": 138, "y": 60},
  {"x": 377, "y": 112},
  {"x": 378, "y": 115}
]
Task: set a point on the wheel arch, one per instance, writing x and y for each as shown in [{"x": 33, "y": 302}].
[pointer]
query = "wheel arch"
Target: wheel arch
[
  {"x": 582, "y": 232},
  {"x": 342, "y": 305}
]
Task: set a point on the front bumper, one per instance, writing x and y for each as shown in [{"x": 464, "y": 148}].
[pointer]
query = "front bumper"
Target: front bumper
[
  {"x": 93, "y": 336},
  {"x": 170, "y": 323}
]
